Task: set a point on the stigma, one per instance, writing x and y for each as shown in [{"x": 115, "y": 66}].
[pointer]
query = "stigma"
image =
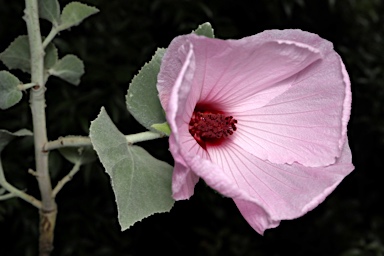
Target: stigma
[{"x": 211, "y": 127}]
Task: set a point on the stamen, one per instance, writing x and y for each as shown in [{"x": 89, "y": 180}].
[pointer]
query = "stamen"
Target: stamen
[{"x": 211, "y": 127}]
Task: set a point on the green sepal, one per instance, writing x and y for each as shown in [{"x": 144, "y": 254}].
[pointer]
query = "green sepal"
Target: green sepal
[
  {"x": 205, "y": 29},
  {"x": 164, "y": 128}
]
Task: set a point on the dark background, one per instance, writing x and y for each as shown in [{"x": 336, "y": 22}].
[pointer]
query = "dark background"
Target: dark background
[{"x": 114, "y": 44}]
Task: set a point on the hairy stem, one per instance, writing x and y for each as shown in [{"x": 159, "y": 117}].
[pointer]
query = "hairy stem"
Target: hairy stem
[
  {"x": 13, "y": 191},
  {"x": 23, "y": 87},
  {"x": 80, "y": 141},
  {"x": 143, "y": 136},
  {"x": 37, "y": 103},
  {"x": 67, "y": 178},
  {"x": 50, "y": 36},
  {"x": 69, "y": 141}
]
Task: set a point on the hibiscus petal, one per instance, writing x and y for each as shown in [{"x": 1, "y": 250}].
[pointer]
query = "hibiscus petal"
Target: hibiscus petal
[
  {"x": 230, "y": 71},
  {"x": 249, "y": 72},
  {"x": 183, "y": 179},
  {"x": 183, "y": 182},
  {"x": 267, "y": 193},
  {"x": 180, "y": 104},
  {"x": 252, "y": 71},
  {"x": 178, "y": 61},
  {"x": 305, "y": 124}
]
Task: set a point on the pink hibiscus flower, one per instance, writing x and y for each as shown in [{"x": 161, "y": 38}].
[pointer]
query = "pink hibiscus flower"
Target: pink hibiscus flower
[{"x": 262, "y": 120}]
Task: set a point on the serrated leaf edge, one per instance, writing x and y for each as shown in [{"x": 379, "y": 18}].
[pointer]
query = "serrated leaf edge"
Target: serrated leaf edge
[
  {"x": 9, "y": 46},
  {"x": 134, "y": 77},
  {"x": 61, "y": 26}
]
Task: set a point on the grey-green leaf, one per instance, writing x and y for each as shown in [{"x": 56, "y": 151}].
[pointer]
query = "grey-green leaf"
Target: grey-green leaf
[
  {"x": 70, "y": 68},
  {"x": 74, "y": 13},
  {"x": 141, "y": 183},
  {"x": 17, "y": 54},
  {"x": 6, "y": 136},
  {"x": 205, "y": 29},
  {"x": 9, "y": 93},
  {"x": 84, "y": 155},
  {"x": 51, "y": 56},
  {"x": 50, "y": 10},
  {"x": 142, "y": 98}
]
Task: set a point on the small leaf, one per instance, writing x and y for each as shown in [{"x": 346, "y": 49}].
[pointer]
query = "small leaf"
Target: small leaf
[
  {"x": 70, "y": 68},
  {"x": 205, "y": 29},
  {"x": 51, "y": 56},
  {"x": 141, "y": 183},
  {"x": 17, "y": 54},
  {"x": 142, "y": 98},
  {"x": 6, "y": 136},
  {"x": 49, "y": 10},
  {"x": 9, "y": 93},
  {"x": 164, "y": 128},
  {"x": 74, "y": 13},
  {"x": 83, "y": 154}
]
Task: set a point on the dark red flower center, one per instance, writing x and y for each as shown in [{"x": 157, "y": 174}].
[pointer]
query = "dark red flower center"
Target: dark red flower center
[{"x": 211, "y": 127}]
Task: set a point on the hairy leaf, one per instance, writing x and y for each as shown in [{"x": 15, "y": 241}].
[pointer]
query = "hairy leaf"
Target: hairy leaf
[
  {"x": 141, "y": 183},
  {"x": 17, "y": 55},
  {"x": 50, "y": 10},
  {"x": 142, "y": 98},
  {"x": 74, "y": 13},
  {"x": 9, "y": 93},
  {"x": 70, "y": 68},
  {"x": 83, "y": 154},
  {"x": 6, "y": 136},
  {"x": 51, "y": 56}
]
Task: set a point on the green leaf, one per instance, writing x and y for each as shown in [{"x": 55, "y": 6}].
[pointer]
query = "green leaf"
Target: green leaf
[
  {"x": 17, "y": 54},
  {"x": 51, "y": 56},
  {"x": 164, "y": 128},
  {"x": 70, "y": 68},
  {"x": 9, "y": 93},
  {"x": 142, "y": 98},
  {"x": 84, "y": 155},
  {"x": 6, "y": 136},
  {"x": 74, "y": 13},
  {"x": 50, "y": 10},
  {"x": 141, "y": 183},
  {"x": 205, "y": 29}
]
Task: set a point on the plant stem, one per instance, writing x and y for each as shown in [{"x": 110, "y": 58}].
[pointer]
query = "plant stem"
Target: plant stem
[
  {"x": 143, "y": 136},
  {"x": 16, "y": 192},
  {"x": 80, "y": 141},
  {"x": 23, "y": 87},
  {"x": 7, "y": 196},
  {"x": 50, "y": 36},
  {"x": 67, "y": 178},
  {"x": 68, "y": 141},
  {"x": 37, "y": 101}
]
